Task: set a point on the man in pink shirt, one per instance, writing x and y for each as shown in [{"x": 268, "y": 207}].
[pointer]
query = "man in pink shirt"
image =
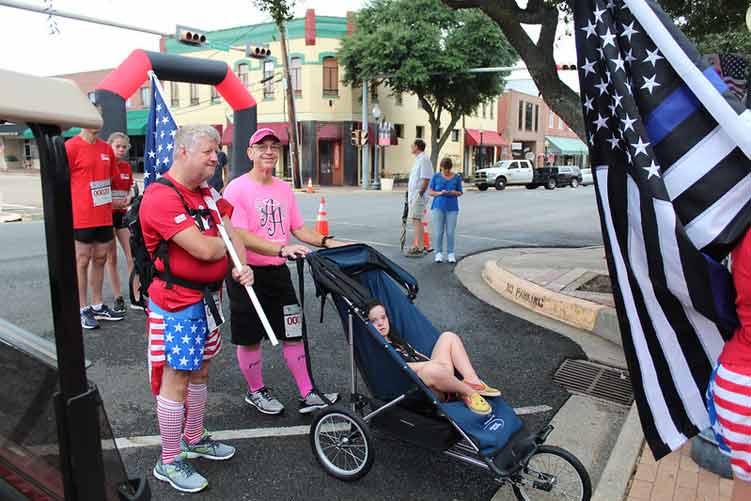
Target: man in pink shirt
[{"x": 266, "y": 215}]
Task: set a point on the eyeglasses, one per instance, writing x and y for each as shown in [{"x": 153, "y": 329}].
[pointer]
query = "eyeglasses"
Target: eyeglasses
[{"x": 273, "y": 148}]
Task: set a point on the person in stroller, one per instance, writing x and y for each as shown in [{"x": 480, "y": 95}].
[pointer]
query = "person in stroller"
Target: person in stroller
[{"x": 437, "y": 370}]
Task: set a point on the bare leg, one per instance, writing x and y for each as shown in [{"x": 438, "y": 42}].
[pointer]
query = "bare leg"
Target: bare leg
[
  {"x": 449, "y": 349},
  {"x": 174, "y": 384},
  {"x": 96, "y": 276},
  {"x": 201, "y": 376},
  {"x": 440, "y": 376},
  {"x": 111, "y": 266},
  {"x": 83, "y": 257},
  {"x": 123, "y": 236},
  {"x": 419, "y": 239}
]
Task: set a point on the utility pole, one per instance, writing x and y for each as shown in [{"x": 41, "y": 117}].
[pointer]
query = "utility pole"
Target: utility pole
[
  {"x": 291, "y": 118},
  {"x": 365, "y": 128}
]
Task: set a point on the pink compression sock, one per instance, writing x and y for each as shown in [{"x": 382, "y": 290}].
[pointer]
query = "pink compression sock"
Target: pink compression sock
[
  {"x": 196, "y": 403},
  {"x": 294, "y": 355},
  {"x": 170, "y": 415},
  {"x": 251, "y": 365}
]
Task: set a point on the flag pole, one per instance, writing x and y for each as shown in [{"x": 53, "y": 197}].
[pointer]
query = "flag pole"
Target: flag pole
[{"x": 735, "y": 126}]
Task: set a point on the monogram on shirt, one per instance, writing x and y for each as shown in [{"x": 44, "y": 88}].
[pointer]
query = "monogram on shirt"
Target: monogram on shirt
[{"x": 271, "y": 216}]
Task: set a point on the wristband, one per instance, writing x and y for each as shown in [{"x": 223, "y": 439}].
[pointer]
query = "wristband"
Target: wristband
[{"x": 323, "y": 241}]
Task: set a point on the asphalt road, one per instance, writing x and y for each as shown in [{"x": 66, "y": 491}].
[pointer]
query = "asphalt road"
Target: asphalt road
[{"x": 508, "y": 352}]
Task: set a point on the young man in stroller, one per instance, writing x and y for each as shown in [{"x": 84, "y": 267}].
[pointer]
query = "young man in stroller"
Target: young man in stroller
[{"x": 437, "y": 370}]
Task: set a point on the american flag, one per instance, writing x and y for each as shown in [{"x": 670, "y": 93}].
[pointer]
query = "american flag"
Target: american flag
[
  {"x": 734, "y": 70},
  {"x": 673, "y": 194},
  {"x": 160, "y": 136}
]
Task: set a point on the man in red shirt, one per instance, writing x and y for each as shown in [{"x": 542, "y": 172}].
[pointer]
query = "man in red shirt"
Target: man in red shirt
[
  {"x": 92, "y": 166},
  {"x": 184, "y": 308}
]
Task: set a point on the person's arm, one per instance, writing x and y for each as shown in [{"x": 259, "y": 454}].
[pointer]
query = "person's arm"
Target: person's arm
[
  {"x": 243, "y": 275},
  {"x": 198, "y": 245},
  {"x": 432, "y": 191},
  {"x": 312, "y": 237},
  {"x": 423, "y": 186}
]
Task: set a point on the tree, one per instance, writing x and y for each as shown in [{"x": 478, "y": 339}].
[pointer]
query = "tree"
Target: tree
[
  {"x": 425, "y": 48},
  {"x": 714, "y": 25}
]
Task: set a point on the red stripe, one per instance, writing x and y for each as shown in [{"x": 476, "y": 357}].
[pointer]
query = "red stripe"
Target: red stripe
[
  {"x": 742, "y": 464},
  {"x": 731, "y": 406},
  {"x": 732, "y": 387}
]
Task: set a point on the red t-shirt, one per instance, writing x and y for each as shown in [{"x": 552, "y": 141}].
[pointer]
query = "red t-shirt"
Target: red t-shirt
[
  {"x": 163, "y": 216},
  {"x": 737, "y": 351},
  {"x": 122, "y": 182},
  {"x": 92, "y": 167}
]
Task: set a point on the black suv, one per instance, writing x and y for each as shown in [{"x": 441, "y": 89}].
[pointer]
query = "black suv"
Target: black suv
[{"x": 569, "y": 175}]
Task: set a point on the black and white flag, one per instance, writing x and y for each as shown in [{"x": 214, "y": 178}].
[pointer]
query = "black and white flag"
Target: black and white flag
[{"x": 668, "y": 145}]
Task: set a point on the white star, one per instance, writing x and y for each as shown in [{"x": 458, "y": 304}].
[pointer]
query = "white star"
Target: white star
[
  {"x": 159, "y": 107},
  {"x": 612, "y": 108},
  {"x": 173, "y": 132},
  {"x": 601, "y": 122},
  {"x": 640, "y": 147},
  {"x": 630, "y": 56},
  {"x": 152, "y": 154},
  {"x": 627, "y": 84},
  {"x": 159, "y": 148},
  {"x": 169, "y": 337},
  {"x": 196, "y": 361},
  {"x": 146, "y": 175},
  {"x": 613, "y": 142},
  {"x": 158, "y": 175},
  {"x": 179, "y": 327},
  {"x": 165, "y": 120},
  {"x": 165, "y": 160},
  {"x": 169, "y": 147},
  {"x": 653, "y": 170},
  {"x": 628, "y": 123},
  {"x": 620, "y": 64},
  {"x": 161, "y": 134},
  {"x": 617, "y": 98},
  {"x": 628, "y": 156},
  {"x": 598, "y": 15},
  {"x": 191, "y": 351},
  {"x": 590, "y": 29},
  {"x": 608, "y": 39},
  {"x": 183, "y": 361},
  {"x": 185, "y": 339},
  {"x": 588, "y": 67},
  {"x": 176, "y": 350},
  {"x": 193, "y": 329},
  {"x": 198, "y": 339},
  {"x": 652, "y": 57},
  {"x": 588, "y": 103},
  {"x": 603, "y": 86},
  {"x": 650, "y": 83},
  {"x": 628, "y": 30}
]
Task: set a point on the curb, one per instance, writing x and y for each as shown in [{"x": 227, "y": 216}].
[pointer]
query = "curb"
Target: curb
[
  {"x": 596, "y": 318},
  {"x": 613, "y": 484}
]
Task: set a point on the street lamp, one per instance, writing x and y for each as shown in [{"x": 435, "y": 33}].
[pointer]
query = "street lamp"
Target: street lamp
[{"x": 377, "y": 177}]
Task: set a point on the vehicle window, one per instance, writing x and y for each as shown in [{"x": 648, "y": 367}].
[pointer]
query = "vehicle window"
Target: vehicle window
[{"x": 513, "y": 165}]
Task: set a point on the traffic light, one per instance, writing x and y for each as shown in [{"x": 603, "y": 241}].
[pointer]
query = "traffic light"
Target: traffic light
[
  {"x": 190, "y": 36},
  {"x": 356, "y": 138},
  {"x": 257, "y": 52},
  {"x": 363, "y": 137},
  {"x": 565, "y": 67}
]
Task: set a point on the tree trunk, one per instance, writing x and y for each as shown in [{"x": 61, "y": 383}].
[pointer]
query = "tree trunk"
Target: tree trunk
[{"x": 538, "y": 57}]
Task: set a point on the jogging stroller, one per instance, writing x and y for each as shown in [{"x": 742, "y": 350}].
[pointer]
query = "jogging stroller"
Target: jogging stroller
[{"x": 401, "y": 405}]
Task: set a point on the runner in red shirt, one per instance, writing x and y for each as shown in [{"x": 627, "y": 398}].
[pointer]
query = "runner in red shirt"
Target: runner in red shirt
[
  {"x": 122, "y": 184},
  {"x": 92, "y": 167},
  {"x": 191, "y": 261}
]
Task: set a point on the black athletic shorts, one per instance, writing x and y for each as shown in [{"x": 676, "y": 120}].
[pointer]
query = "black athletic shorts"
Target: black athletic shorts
[
  {"x": 273, "y": 286},
  {"x": 118, "y": 220},
  {"x": 99, "y": 234}
]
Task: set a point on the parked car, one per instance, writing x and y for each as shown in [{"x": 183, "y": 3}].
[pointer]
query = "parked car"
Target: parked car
[
  {"x": 515, "y": 172},
  {"x": 569, "y": 175},
  {"x": 587, "y": 177}
]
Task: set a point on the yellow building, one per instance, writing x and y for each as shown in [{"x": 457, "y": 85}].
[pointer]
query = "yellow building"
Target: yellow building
[{"x": 327, "y": 111}]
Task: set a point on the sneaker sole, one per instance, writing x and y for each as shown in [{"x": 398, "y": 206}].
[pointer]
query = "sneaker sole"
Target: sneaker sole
[
  {"x": 165, "y": 478},
  {"x": 311, "y": 408},
  {"x": 89, "y": 327},
  {"x": 136, "y": 307},
  {"x": 194, "y": 455},
  {"x": 109, "y": 319},
  {"x": 262, "y": 411}
]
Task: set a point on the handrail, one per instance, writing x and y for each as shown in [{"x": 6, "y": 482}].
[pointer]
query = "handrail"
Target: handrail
[{"x": 38, "y": 347}]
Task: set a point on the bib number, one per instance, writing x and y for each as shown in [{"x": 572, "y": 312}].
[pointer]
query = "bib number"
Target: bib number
[
  {"x": 292, "y": 321},
  {"x": 101, "y": 193},
  {"x": 211, "y": 322}
]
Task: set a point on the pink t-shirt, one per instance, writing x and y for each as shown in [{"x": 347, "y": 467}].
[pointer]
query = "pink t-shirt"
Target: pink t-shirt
[{"x": 267, "y": 210}]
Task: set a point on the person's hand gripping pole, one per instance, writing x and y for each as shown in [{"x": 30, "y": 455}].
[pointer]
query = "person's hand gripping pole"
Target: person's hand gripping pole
[{"x": 236, "y": 263}]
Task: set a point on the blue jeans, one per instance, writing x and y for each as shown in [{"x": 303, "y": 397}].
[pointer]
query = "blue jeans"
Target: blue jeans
[{"x": 444, "y": 221}]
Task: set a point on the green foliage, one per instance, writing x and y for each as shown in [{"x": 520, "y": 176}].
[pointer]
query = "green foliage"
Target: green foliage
[
  {"x": 701, "y": 18},
  {"x": 424, "y": 47},
  {"x": 279, "y": 10}
]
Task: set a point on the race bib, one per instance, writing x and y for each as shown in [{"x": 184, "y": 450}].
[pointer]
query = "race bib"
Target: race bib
[
  {"x": 101, "y": 193},
  {"x": 119, "y": 195},
  {"x": 292, "y": 321},
  {"x": 211, "y": 322}
]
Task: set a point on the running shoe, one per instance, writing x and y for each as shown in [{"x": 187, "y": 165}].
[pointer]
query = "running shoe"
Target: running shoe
[
  {"x": 452, "y": 257},
  {"x": 484, "y": 390},
  {"x": 207, "y": 448},
  {"x": 136, "y": 306},
  {"x": 105, "y": 313},
  {"x": 313, "y": 401},
  {"x": 87, "y": 319},
  {"x": 477, "y": 404},
  {"x": 119, "y": 306},
  {"x": 264, "y": 401},
  {"x": 414, "y": 252},
  {"x": 180, "y": 474},
  {"x": 438, "y": 257}
]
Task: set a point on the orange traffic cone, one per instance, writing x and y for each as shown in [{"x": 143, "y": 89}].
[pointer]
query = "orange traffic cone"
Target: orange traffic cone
[
  {"x": 322, "y": 222},
  {"x": 425, "y": 233},
  {"x": 310, "y": 185}
]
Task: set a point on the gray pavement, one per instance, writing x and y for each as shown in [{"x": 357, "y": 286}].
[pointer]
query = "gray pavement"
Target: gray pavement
[{"x": 512, "y": 352}]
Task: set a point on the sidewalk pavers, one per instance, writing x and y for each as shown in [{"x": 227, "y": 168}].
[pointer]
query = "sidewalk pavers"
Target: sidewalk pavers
[{"x": 676, "y": 478}]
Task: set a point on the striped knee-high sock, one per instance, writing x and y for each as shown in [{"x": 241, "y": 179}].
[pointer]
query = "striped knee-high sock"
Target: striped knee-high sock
[
  {"x": 170, "y": 416},
  {"x": 196, "y": 403}
]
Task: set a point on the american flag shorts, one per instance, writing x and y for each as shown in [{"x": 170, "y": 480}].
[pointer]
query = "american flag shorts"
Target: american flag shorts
[
  {"x": 179, "y": 339},
  {"x": 729, "y": 406}
]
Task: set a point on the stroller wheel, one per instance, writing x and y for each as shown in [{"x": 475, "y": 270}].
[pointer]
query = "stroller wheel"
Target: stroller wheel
[
  {"x": 341, "y": 443},
  {"x": 552, "y": 473}
]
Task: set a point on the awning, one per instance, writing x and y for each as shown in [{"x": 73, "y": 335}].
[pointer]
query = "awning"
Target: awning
[
  {"x": 279, "y": 128},
  {"x": 477, "y": 137},
  {"x": 136, "y": 125},
  {"x": 567, "y": 145}
]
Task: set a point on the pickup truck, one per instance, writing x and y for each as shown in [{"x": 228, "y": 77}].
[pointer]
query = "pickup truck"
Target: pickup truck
[{"x": 509, "y": 172}]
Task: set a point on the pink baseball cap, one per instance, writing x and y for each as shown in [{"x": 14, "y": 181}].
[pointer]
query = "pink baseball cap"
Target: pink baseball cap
[{"x": 262, "y": 134}]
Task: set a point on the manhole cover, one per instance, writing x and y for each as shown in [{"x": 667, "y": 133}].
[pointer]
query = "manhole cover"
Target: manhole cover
[
  {"x": 596, "y": 380},
  {"x": 600, "y": 283}
]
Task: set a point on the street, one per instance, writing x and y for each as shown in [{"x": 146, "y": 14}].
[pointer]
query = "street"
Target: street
[{"x": 510, "y": 353}]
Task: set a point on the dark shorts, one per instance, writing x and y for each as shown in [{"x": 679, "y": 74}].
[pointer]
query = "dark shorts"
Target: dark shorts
[
  {"x": 98, "y": 234},
  {"x": 273, "y": 286},
  {"x": 118, "y": 220}
]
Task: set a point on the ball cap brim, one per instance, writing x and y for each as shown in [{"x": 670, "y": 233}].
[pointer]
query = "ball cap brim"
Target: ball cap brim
[{"x": 262, "y": 134}]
